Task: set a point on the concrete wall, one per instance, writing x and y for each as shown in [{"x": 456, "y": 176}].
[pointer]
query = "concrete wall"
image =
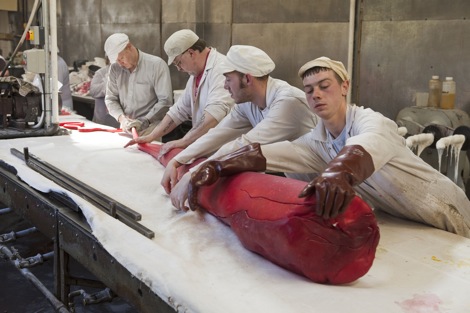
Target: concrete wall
[
  {"x": 403, "y": 43},
  {"x": 399, "y": 44}
]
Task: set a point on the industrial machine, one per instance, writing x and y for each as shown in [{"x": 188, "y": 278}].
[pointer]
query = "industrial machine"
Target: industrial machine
[
  {"x": 440, "y": 124},
  {"x": 19, "y": 111},
  {"x": 27, "y": 110}
]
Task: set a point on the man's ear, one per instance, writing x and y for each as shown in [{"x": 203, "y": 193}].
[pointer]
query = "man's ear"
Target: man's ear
[
  {"x": 344, "y": 88},
  {"x": 249, "y": 79}
]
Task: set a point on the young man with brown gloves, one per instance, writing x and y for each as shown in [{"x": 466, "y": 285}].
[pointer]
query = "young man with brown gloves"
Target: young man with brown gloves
[{"x": 352, "y": 150}]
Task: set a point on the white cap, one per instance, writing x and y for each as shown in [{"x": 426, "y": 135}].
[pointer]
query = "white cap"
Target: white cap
[
  {"x": 114, "y": 45},
  {"x": 247, "y": 60},
  {"x": 178, "y": 43},
  {"x": 336, "y": 66}
]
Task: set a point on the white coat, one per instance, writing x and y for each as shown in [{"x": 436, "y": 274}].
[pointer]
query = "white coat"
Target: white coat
[
  {"x": 287, "y": 116},
  {"x": 146, "y": 92},
  {"x": 211, "y": 96},
  {"x": 402, "y": 183}
]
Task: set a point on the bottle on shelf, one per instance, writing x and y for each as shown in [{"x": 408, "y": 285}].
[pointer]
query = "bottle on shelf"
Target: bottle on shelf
[
  {"x": 448, "y": 94},
  {"x": 435, "y": 91}
]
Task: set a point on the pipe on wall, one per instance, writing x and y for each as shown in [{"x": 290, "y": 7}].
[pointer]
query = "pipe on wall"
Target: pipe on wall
[
  {"x": 352, "y": 21},
  {"x": 54, "y": 66}
]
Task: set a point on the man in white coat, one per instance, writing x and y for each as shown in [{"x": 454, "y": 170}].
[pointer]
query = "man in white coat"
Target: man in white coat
[
  {"x": 138, "y": 93},
  {"x": 267, "y": 110},
  {"x": 354, "y": 149},
  {"x": 204, "y": 101}
]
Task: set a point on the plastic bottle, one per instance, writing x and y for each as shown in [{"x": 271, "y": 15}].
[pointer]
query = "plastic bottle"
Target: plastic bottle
[
  {"x": 435, "y": 91},
  {"x": 448, "y": 94}
]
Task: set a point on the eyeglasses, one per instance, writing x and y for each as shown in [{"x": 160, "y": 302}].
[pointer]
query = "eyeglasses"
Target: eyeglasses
[{"x": 178, "y": 63}]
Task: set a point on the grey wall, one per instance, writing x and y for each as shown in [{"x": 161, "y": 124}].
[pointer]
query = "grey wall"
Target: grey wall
[
  {"x": 403, "y": 43},
  {"x": 399, "y": 44}
]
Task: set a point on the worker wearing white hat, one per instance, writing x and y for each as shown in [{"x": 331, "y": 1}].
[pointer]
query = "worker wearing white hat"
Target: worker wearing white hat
[
  {"x": 204, "y": 101},
  {"x": 267, "y": 110},
  {"x": 354, "y": 149},
  {"x": 139, "y": 92}
]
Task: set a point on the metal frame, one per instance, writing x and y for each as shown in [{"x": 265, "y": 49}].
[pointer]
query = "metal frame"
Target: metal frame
[{"x": 72, "y": 238}]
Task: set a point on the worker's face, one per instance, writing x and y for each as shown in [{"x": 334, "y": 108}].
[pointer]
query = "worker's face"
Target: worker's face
[
  {"x": 128, "y": 58},
  {"x": 237, "y": 85},
  {"x": 325, "y": 95},
  {"x": 185, "y": 63}
]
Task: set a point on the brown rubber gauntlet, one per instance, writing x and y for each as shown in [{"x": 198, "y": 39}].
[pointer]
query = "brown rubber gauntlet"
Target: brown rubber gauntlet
[
  {"x": 247, "y": 158},
  {"x": 334, "y": 187}
]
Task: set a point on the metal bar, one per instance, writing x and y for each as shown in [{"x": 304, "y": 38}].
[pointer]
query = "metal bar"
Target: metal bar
[
  {"x": 5, "y": 211},
  {"x": 58, "y": 306},
  {"x": 73, "y": 240},
  {"x": 101, "y": 201},
  {"x": 77, "y": 187}
]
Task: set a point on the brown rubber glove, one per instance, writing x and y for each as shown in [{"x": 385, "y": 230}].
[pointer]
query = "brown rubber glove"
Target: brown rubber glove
[
  {"x": 247, "y": 158},
  {"x": 334, "y": 187}
]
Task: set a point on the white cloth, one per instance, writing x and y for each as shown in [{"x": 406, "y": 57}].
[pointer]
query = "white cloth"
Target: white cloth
[
  {"x": 146, "y": 92},
  {"x": 287, "y": 116},
  {"x": 402, "y": 185},
  {"x": 211, "y": 94},
  {"x": 196, "y": 263}
]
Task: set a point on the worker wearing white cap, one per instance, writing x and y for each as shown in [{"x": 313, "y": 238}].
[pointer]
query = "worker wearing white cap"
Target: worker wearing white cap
[
  {"x": 204, "y": 101},
  {"x": 139, "y": 91},
  {"x": 267, "y": 110},
  {"x": 354, "y": 149},
  {"x": 63, "y": 77}
]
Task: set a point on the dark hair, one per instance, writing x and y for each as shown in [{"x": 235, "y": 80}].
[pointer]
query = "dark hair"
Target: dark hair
[
  {"x": 318, "y": 69},
  {"x": 199, "y": 45},
  {"x": 261, "y": 78}
]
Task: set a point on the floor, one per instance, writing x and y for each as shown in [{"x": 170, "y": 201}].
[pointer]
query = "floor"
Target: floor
[{"x": 19, "y": 295}]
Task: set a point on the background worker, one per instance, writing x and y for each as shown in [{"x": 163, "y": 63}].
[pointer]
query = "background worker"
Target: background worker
[
  {"x": 355, "y": 150},
  {"x": 139, "y": 90},
  {"x": 63, "y": 76},
  {"x": 267, "y": 110},
  {"x": 204, "y": 100},
  {"x": 98, "y": 92}
]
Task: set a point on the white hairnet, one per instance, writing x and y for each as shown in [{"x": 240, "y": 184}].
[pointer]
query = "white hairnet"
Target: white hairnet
[
  {"x": 114, "y": 45},
  {"x": 247, "y": 60},
  {"x": 336, "y": 66}
]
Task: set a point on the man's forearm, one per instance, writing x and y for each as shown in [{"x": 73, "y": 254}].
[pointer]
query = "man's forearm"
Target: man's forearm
[
  {"x": 163, "y": 128},
  {"x": 202, "y": 127}
]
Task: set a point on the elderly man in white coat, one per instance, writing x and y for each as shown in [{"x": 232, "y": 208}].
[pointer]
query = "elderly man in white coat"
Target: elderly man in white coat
[
  {"x": 204, "y": 101},
  {"x": 267, "y": 110},
  {"x": 354, "y": 149},
  {"x": 139, "y": 92}
]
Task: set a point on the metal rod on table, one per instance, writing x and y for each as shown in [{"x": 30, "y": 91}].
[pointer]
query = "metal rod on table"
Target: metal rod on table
[{"x": 101, "y": 201}]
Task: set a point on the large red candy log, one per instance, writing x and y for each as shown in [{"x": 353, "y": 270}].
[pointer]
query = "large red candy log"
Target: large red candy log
[
  {"x": 269, "y": 219},
  {"x": 154, "y": 150}
]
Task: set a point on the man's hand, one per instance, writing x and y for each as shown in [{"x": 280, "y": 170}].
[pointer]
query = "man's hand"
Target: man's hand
[
  {"x": 334, "y": 187},
  {"x": 143, "y": 139},
  {"x": 207, "y": 174},
  {"x": 170, "y": 176},
  {"x": 166, "y": 147},
  {"x": 124, "y": 121},
  {"x": 179, "y": 193},
  {"x": 140, "y": 124},
  {"x": 333, "y": 193}
]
